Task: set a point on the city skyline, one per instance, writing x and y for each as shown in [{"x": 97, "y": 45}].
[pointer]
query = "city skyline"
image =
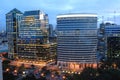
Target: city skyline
[
  {"x": 60, "y": 40},
  {"x": 69, "y": 6}
]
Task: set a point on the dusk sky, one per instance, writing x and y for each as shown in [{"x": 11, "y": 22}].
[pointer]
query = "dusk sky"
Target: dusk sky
[{"x": 104, "y": 8}]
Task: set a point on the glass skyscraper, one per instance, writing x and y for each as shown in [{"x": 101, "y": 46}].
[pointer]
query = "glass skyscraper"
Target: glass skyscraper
[
  {"x": 12, "y": 22},
  {"x": 112, "y": 33},
  {"x": 33, "y": 35},
  {"x": 77, "y": 41},
  {"x": 101, "y": 43}
]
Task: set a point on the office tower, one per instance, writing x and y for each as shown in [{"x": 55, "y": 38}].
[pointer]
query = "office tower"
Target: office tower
[
  {"x": 12, "y": 22},
  {"x": 50, "y": 30},
  {"x": 112, "y": 33},
  {"x": 101, "y": 43},
  {"x": 108, "y": 43},
  {"x": 33, "y": 35},
  {"x": 52, "y": 35},
  {"x": 77, "y": 41}
]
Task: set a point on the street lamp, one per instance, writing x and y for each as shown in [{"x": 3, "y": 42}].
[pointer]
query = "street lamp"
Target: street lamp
[
  {"x": 78, "y": 72},
  {"x": 42, "y": 74},
  {"x": 64, "y": 77},
  {"x": 7, "y": 70},
  {"x": 52, "y": 75},
  {"x": 15, "y": 71},
  {"x": 23, "y": 72}
]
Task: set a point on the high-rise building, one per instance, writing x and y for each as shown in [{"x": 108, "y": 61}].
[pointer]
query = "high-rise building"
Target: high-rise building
[
  {"x": 52, "y": 35},
  {"x": 12, "y": 22},
  {"x": 112, "y": 33},
  {"x": 77, "y": 41},
  {"x": 109, "y": 38},
  {"x": 101, "y": 43},
  {"x": 33, "y": 35},
  {"x": 51, "y": 30}
]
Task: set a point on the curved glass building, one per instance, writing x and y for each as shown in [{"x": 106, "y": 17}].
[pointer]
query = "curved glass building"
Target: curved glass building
[{"x": 77, "y": 41}]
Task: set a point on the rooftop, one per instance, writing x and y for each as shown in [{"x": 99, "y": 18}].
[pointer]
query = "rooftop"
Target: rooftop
[
  {"x": 76, "y": 15},
  {"x": 15, "y": 11}
]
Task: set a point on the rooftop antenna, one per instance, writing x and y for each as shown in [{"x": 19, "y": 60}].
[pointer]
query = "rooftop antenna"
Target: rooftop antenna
[{"x": 102, "y": 19}]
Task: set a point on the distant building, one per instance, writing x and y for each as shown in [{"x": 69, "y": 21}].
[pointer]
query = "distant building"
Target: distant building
[
  {"x": 108, "y": 43},
  {"x": 101, "y": 43},
  {"x": 33, "y": 35},
  {"x": 12, "y": 22},
  {"x": 52, "y": 34},
  {"x": 3, "y": 37},
  {"x": 112, "y": 33},
  {"x": 77, "y": 41},
  {"x": 51, "y": 30}
]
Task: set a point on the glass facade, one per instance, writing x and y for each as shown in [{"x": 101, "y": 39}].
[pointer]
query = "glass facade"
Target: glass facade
[
  {"x": 12, "y": 22},
  {"x": 112, "y": 30},
  {"x": 77, "y": 39},
  {"x": 101, "y": 42},
  {"x": 33, "y": 35},
  {"x": 112, "y": 33}
]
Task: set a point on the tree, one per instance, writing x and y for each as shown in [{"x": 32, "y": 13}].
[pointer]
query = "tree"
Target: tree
[
  {"x": 21, "y": 68},
  {"x": 44, "y": 69},
  {"x": 8, "y": 76},
  {"x": 87, "y": 74},
  {"x": 30, "y": 77},
  {"x": 32, "y": 66},
  {"x": 5, "y": 64}
]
